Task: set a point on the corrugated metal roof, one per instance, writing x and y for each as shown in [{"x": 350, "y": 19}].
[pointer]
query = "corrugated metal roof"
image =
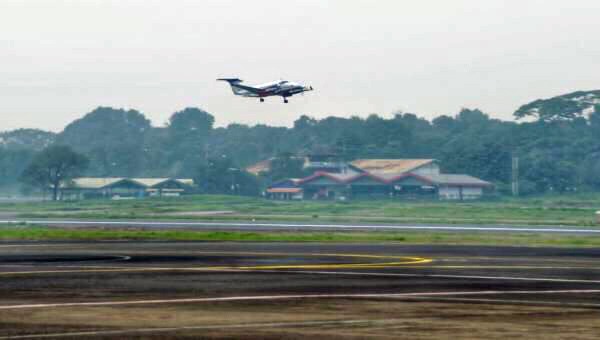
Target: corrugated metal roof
[
  {"x": 265, "y": 166},
  {"x": 186, "y": 181},
  {"x": 102, "y": 182},
  {"x": 284, "y": 190},
  {"x": 452, "y": 179},
  {"x": 262, "y": 166},
  {"x": 344, "y": 176},
  {"x": 374, "y": 166},
  {"x": 390, "y": 166},
  {"x": 94, "y": 182},
  {"x": 287, "y": 183},
  {"x": 340, "y": 178},
  {"x": 149, "y": 182},
  {"x": 446, "y": 179}
]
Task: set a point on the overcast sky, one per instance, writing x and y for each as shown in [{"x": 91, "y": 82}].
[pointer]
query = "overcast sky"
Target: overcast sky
[{"x": 61, "y": 59}]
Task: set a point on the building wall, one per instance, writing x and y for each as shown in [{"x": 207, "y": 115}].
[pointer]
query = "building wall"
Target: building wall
[
  {"x": 449, "y": 193},
  {"x": 286, "y": 196},
  {"x": 470, "y": 193},
  {"x": 428, "y": 169},
  {"x": 454, "y": 192},
  {"x": 410, "y": 181},
  {"x": 366, "y": 181},
  {"x": 370, "y": 190},
  {"x": 324, "y": 191}
]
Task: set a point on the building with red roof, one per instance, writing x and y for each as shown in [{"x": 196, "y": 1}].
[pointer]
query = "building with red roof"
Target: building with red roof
[{"x": 409, "y": 178}]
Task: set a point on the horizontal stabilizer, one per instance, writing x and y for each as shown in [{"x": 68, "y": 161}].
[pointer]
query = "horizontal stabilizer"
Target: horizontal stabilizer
[{"x": 231, "y": 80}]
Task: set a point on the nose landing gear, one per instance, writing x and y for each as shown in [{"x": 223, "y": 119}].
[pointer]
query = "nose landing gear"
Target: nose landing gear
[{"x": 262, "y": 100}]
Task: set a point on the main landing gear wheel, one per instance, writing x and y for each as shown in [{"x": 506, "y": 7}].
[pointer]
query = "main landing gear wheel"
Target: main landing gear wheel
[
  {"x": 285, "y": 100},
  {"x": 262, "y": 100}
]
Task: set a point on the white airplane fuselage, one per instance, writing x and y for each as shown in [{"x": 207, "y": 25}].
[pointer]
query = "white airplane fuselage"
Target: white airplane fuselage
[{"x": 281, "y": 88}]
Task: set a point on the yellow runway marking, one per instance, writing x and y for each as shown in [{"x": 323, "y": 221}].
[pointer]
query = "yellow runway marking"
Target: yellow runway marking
[
  {"x": 409, "y": 261},
  {"x": 398, "y": 261}
]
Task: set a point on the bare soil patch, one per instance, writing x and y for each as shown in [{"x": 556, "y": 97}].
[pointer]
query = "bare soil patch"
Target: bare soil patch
[{"x": 299, "y": 319}]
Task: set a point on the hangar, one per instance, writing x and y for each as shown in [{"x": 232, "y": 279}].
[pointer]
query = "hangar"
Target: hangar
[
  {"x": 121, "y": 187},
  {"x": 408, "y": 178}
]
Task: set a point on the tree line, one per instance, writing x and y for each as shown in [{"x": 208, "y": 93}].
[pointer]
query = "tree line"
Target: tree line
[{"x": 557, "y": 141}]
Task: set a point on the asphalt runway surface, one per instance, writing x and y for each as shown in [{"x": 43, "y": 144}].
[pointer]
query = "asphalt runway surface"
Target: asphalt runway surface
[
  {"x": 300, "y": 226},
  {"x": 215, "y": 290}
]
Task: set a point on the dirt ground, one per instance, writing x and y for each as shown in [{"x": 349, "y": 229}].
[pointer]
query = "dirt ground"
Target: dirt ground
[{"x": 297, "y": 319}]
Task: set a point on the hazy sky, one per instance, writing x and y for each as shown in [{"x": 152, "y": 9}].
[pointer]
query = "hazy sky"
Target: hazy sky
[{"x": 61, "y": 59}]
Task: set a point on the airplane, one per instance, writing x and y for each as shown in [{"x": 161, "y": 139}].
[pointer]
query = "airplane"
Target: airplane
[{"x": 281, "y": 88}]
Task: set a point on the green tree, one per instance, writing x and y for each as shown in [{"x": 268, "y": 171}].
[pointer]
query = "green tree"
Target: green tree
[
  {"x": 590, "y": 169},
  {"x": 220, "y": 175},
  {"x": 113, "y": 139},
  {"x": 286, "y": 165},
  {"x": 53, "y": 167},
  {"x": 548, "y": 174},
  {"x": 594, "y": 120},
  {"x": 188, "y": 132},
  {"x": 348, "y": 145},
  {"x": 564, "y": 107},
  {"x": 12, "y": 164},
  {"x": 26, "y": 139}
]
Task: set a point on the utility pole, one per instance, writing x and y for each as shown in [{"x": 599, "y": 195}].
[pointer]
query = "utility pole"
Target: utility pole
[{"x": 515, "y": 176}]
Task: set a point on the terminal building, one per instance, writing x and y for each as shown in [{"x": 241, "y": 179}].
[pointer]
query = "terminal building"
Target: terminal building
[{"x": 407, "y": 178}]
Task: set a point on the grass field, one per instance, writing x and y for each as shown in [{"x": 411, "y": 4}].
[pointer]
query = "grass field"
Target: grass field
[
  {"x": 28, "y": 233},
  {"x": 551, "y": 210}
]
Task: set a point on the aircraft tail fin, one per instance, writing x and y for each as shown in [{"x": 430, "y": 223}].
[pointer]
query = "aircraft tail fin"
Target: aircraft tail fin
[{"x": 233, "y": 82}]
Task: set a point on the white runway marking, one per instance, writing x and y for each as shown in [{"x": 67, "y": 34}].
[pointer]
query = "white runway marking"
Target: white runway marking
[
  {"x": 450, "y": 276},
  {"x": 307, "y": 226},
  {"x": 287, "y": 297},
  {"x": 531, "y": 267},
  {"x": 516, "y": 302},
  {"x": 233, "y": 269},
  {"x": 30, "y": 245}
]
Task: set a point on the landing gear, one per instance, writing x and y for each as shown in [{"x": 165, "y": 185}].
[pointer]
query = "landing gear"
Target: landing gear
[
  {"x": 262, "y": 100},
  {"x": 285, "y": 100}
]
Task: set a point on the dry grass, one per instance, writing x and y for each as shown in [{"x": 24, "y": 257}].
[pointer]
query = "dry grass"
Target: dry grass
[{"x": 384, "y": 319}]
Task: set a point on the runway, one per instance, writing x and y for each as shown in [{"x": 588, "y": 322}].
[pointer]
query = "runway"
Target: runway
[
  {"x": 286, "y": 226},
  {"x": 293, "y": 290}
]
